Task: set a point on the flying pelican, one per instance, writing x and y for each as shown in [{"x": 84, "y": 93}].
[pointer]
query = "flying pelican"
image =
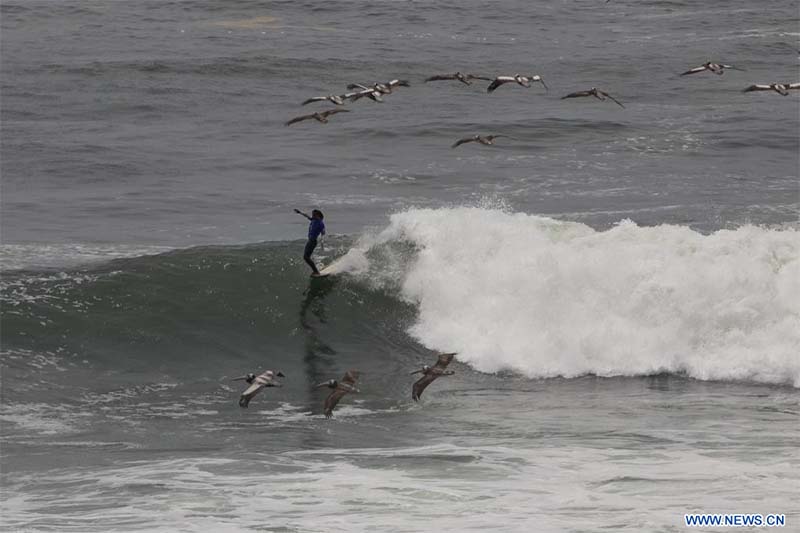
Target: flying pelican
[
  {"x": 487, "y": 140},
  {"x": 266, "y": 379},
  {"x": 780, "y": 88},
  {"x": 466, "y": 79},
  {"x": 525, "y": 81},
  {"x": 383, "y": 88},
  {"x": 334, "y": 99},
  {"x": 594, "y": 91},
  {"x": 340, "y": 388},
  {"x": 430, "y": 373},
  {"x": 321, "y": 117},
  {"x": 716, "y": 68},
  {"x": 370, "y": 93}
]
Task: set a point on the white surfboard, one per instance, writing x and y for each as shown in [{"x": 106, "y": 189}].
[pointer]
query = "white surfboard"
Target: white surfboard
[{"x": 333, "y": 268}]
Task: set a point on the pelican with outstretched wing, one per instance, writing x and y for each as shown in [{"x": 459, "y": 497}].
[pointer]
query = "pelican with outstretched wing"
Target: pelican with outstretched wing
[
  {"x": 525, "y": 81},
  {"x": 780, "y": 88},
  {"x": 430, "y": 373},
  {"x": 716, "y": 68},
  {"x": 594, "y": 91},
  {"x": 265, "y": 379},
  {"x": 340, "y": 388},
  {"x": 466, "y": 79},
  {"x": 487, "y": 140},
  {"x": 319, "y": 117}
]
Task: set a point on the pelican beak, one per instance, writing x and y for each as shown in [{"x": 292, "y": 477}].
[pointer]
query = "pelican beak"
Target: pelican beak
[
  {"x": 546, "y": 88},
  {"x": 240, "y": 378},
  {"x": 415, "y": 372}
]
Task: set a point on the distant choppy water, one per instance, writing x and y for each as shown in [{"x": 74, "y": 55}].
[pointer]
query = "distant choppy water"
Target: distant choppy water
[
  {"x": 611, "y": 375},
  {"x": 162, "y": 122}
]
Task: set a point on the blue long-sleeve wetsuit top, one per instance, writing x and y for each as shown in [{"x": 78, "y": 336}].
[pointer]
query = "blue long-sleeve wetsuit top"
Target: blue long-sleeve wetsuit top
[{"x": 315, "y": 228}]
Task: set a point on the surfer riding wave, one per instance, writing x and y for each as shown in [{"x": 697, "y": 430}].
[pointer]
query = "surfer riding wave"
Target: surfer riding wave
[{"x": 316, "y": 227}]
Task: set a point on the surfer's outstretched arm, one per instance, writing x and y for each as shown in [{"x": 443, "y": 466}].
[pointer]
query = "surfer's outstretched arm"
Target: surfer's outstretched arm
[{"x": 301, "y": 213}]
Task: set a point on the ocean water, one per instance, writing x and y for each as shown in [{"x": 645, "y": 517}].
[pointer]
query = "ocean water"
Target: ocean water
[{"x": 622, "y": 286}]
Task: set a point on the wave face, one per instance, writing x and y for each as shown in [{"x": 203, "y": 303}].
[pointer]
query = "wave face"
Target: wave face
[
  {"x": 546, "y": 298},
  {"x": 507, "y": 291}
]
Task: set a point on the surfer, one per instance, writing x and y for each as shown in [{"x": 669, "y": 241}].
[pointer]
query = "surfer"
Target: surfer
[{"x": 315, "y": 229}]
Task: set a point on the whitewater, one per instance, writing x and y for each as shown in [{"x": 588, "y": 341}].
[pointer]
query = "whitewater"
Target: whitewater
[{"x": 545, "y": 298}]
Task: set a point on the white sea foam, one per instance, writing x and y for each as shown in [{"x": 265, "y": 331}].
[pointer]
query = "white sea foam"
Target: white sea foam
[
  {"x": 549, "y": 298},
  {"x": 19, "y": 256}
]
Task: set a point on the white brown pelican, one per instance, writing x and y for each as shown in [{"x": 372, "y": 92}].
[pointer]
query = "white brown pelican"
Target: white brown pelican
[
  {"x": 716, "y": 68},
  {"x": 383, "y": 88},
  {"x": 370, "y": 93},
  {"x": 594, "y": 91},
  {"x": 780, "y": 88},
  {"x": 525, "y": 81},
  {"x": 321, "y": 117},
  {"x": 334, "y": 99},
  {"x": 466, "y": 79},
  {"x": 340, "y": 388},
  {"x": 430, "y": 373},
  {"x": 487, "y": 140},
  {"x": 265, "y": 379}
]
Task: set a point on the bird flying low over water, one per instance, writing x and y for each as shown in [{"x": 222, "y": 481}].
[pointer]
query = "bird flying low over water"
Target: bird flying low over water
[
  {"x": 487, "y": 140},
  {"x": 370, "y": 93},
  {"x": 466, "y": 79},
  {"x": 780, "y": 88},
  {"x": 594, "y": 91},
  {"x": 383, "y": 88},
  {"x": 430, "y": 373},
  {"x": 340, "y": 388},
  {"x": 321, "y": 117},
  {"x": 334, "y": 99},
  {"x": 716, "y": 68},
  {"x": 525, "y": 81},
  {"x": 265, "y": 379}
]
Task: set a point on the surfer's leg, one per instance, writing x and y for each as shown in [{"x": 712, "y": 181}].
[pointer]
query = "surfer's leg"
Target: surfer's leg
[{"x": 310, "y": 245}]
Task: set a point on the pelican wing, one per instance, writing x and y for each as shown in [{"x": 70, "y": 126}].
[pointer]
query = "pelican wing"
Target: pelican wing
[
  {"x": 793, "y": 86},
  {"x": 463, "y": 141},
  {"x": 350, "y": 377},
  {"x": 757, "y": 87},
  {"x": 578, "y": 94},
  {"x": 445, "y": 358},
  {"x": 441, "y": 77},
  {"x": 249, "y": 394},
  {"x": 315, "y": 99},
  {"x": 421, "y": 384},
  {"x": 301, "y": 118},
  {"x": 498, "y": 81},
  {"x": 372, "y": 94},
  {"x": 694, "y": 70},
  {"x": 329, "y": 112},
  {"x": 611, "y": 98},
  {"x": 333, "y": 399}
]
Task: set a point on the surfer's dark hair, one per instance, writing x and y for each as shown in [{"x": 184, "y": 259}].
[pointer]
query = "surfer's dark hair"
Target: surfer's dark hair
[{"x": 317, "y": 213}]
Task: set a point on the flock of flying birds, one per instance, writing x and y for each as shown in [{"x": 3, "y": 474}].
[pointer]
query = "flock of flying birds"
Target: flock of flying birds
[
  {"x": 377, "y": 91},
  {"x": 346, "y": 385}
]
